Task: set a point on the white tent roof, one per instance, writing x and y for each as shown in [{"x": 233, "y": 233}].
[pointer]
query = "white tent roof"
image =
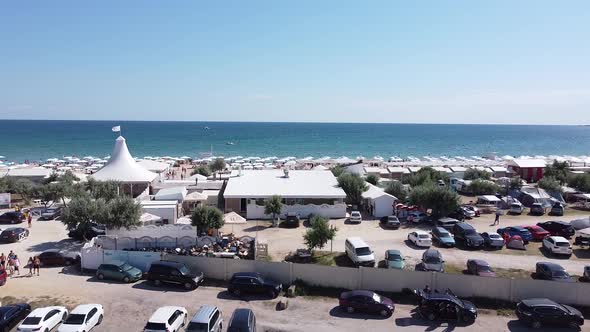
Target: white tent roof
[
  {"x": 173, "y": 193},
  {"x": 122, "y": 167},
  {"x": 149, "y": 218},
  {"x": 154, "y": 166},
  {"x": 374, "y": 192},
  {"x": 196, "y": 196},
  {"x": 233, "y": 218}
]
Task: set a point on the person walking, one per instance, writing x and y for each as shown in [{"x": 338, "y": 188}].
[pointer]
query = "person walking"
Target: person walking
[
  {"x": 11, "y": 255},
  {"x": 30, "y": 265},
  {"x": 10, "y": 266},
  {"x": 16, "y": 265},
  {"x": 497, "y": 220},
  {"x": 36, "y": 264},
  {"x": 30, "y": 220},
  {"x": 3, "y": 261}
]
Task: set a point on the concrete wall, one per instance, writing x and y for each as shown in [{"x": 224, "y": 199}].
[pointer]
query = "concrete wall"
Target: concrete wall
[
  {"x": 232, "y": 205},
  {"x": 338, "y": 210}
]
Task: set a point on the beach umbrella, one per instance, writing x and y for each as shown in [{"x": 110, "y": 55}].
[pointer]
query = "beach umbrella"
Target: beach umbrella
[{"x": 2, "y": 157}]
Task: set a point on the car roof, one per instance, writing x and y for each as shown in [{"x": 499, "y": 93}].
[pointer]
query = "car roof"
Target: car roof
[
  {"x": 464, "y": 225},
  {"x": 438, "y": 296},
  {"x": 41, "y": 312},
  {"x": 431, "y": 252},
  {"x": 203, "y": 314},
  {"x": 52, "y": 250},
  {"x": 420, "y": 232},
  {"x": 393, "y": 252},
  {"x": 492, "y": 233},
  {"x": 479, "y": 262},
  {"x": 559, "y": 239},
  {"x": 84, "y": 308},
  {"x": 535, "y": 302},
  {"x": 162, "y": 314},
  {"x": 447, "y": 219},
  {"x": 561, "y": 222},
  {"x": 117, "y": 263},
  {"x": 551, "y": 266},
  {"x": 359, "y": 292},
  {"x": 247, "y": 274},
  {"x": 357, "y": 241},
  {"x": 440, "y": 229},
  {"x": 241, "y": 315}
]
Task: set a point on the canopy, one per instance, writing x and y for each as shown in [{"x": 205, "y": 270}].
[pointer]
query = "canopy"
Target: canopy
[
  {"x": 122, "y": 167},
  {"x": 584, "y": 232},
  {"x": 195, "y": 197},
  {"x": 233, "y": 218},
  {"x": 148, "y": 218}
]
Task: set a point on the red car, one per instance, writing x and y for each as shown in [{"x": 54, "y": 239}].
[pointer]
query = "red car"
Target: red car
[
  {"x": 3, "y": 276},
  {"x": 537, "y": 231}
]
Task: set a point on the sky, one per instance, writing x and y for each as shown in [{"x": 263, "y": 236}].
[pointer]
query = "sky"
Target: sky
[{"x": 514, "y": 62}]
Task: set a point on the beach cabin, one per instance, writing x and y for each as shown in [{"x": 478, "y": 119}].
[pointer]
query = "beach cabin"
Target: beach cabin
[
  {"x": 458, "y": 171},
  {"x": 530, "y": 170},
  {"x": 398, "y": 173},
  {"x": 498, "y": 171},
  {"x": 378, "y": 201},
  {"x": 168, "y": 211},
  {"x": 168, "y": 194},
  {"x": 33, "y": 174},
  {"x": 304, "y": 192}
]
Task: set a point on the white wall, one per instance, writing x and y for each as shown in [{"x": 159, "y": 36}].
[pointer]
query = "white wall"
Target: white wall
[
  {"x": 254, "y": 211},
  {"x": 383, "y": 206},
  {"x": 162, "y": 212}
]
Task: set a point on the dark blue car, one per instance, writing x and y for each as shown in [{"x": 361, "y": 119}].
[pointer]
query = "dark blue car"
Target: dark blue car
[{"x": 517, "y": 230}]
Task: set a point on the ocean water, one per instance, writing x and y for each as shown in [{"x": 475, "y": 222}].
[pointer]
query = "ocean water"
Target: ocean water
[{"x": 39, "y": 139}]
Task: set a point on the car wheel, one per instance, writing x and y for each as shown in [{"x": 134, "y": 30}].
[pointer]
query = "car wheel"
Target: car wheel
[
  {"x": 99, "y": 320},
  {"x": 157, "y": 282},
  {"x": 68, "y": 262},
  {"x": 350, "y": 310},
  {"x": 536, "y": 324},
  {"x": 126, "y": 279},
  {"x": 384, "y": 313},
  {"x": 188, "y": 285},
  {"x": 100, "y": 276},
  {"x": 431, "y": 316}
]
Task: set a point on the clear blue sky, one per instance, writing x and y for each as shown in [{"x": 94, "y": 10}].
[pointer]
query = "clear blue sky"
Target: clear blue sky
[{"x": 336, "y": 61}]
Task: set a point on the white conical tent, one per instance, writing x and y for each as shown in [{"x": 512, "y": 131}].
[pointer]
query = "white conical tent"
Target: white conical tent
[{"x": 122, "y": 167}]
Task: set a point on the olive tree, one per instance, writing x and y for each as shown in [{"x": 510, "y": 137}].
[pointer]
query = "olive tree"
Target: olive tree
[
  {"x": 354, "y": 186},
  {"x": 372, "y": 179},
  {"x": 319, "y": 233},
  {"x": 438, "y": 199},
  {"x": 207, "y": 217},
  {"x": 397, "y": 189},
  {"x": 273, "y": 206}
]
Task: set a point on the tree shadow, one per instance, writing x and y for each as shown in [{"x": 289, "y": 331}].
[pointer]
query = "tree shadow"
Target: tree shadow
[
  {"x": 66, "y": 244},
  {"x": 582, "y": 253},
  {"x": 256, "y": 228},
  {"x": 340, "y": 313}
]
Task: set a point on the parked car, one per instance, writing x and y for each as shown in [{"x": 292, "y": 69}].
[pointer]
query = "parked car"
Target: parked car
[
  {"x": 445, "y": 306},
  {"x": 50, "y": 213},
  {"x": 586, "y": 275},
  {"x": 516, "y": 208},
  {"x": 552, "y": 271},
  {"x": 367, "y": 302},
  {"x": 537, "y": 209},
  {"x": 253, "y": 283},
  {"x": 467, "y": 235},
  {"x": 467, "y": 213},
  {"x": 558, "y": 228},
  {"x": 557, "y": 245},
  {"x": 56, "y": 257},
  {"x": 89, "y": 233},
  {"x": 416, "y": 216},
  {"x": 541, "y": 312},
  {"x": 394, "y": 259},
  {"x": 457, "y": 214},
  {"x": 208, "y": 319},
  {"x": 117, "y": 270},
  {"x": 479, "y": 267},
  {"x": 43, "y": 319},
  {"x": 538, "y": 232},
  {"x": 14, "y": 234},
  {"x": 442, "y": 237},
  {"x": 492, "y": 240},
  {"x": 242, "y": 320},
  {"x": 420, "y": 238},
  {"x": 173, "y": 273},
  {"x": 557, "y": 210},
  {"x": 12, "y": 217},
  {"x": 474, "y": 209},
  {"x": 447, "y": 223},
  {"x": 355, "y": 217},
  {"x": 291, "y": 221},
  {"x": 431, "y": 261},
  {"x": 359, "y": 252},
  {"x": 390, "y": 222},
  {"x": 3, "y": 276},
  {"x": 12, "y": 314},
  {"x": 167, "y": 319},
  {"x": 516, "y": 230},
  {"x": 84, "y": 317}
]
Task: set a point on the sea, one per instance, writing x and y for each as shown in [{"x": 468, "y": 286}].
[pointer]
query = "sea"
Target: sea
[{"x": 37, "y": 140}]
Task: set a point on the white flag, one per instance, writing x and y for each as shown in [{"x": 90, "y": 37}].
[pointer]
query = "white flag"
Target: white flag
[{"x": 116, "y": 129}]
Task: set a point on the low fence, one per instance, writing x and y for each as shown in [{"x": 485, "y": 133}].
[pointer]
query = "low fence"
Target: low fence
[{"x": 384, "y": 280}]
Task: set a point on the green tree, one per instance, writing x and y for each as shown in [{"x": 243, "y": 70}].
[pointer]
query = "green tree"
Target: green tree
[
  {"x": 47, "y": 193},
  {"x": 202, "y": 170},
  {"x": 426, "y": 175},
  {"x": 558, "y": 170},
  {"x": 119, "y": 212},
  {"x": 397, "y": 189},
  {"x": 474, "y": 174},
  {"x": 580, "y": 182},
  {"x": 81, "y": 212},
  {"x": 207, "y": 217},
  {"x": 354, "y": 186},
  {"x": 515, "y": 184},
  {"x": 273, "y": 206},
  {"x": 23, "y": 187},
  {"x": 337, "y": 170},
  {"x": 106, "y": 190},
  {"x": 432, "y": 197},
  {"x": 319, "y": 234},
  {"x": 483, "y": 187},
  {"x": 550, "y": 184},
  {"x": 372, "y": 179},
  {"x": 217, "y": 165}
]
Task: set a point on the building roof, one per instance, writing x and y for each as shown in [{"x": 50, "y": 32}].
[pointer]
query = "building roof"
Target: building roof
[
  {"x": 159, "y": 203},
  {"x": 173, "y": 193},
  {"x": 29, "y": 172},
  {"x": 394, "y": 169},
  {"x": 122, "y": 167},
  {"x": 498, "y": 169},
  {"x": 299, "y": 184},
  {"x": 153, "y": 166},
  {"x": 374, "y": 192},
  {"x": 527, "y": 163},
  {"x": 458, "y": 168},
  {"x": 442, "y": 169},
  {"x": 375, "y": 170}
]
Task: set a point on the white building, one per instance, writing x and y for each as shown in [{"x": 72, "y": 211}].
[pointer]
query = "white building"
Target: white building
[
  {"x": 380, "y": 201},
  {"x": 167, "y": 210},
  {"x": 303, "y": 193}
]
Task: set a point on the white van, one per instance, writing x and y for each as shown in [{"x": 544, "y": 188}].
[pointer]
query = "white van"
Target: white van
[{"x": 359, "y": 252}]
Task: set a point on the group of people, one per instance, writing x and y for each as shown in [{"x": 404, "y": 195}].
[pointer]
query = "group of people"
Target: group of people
[
  {"x": 28, "y": 216},
  {"x": 12, "y": 264}
]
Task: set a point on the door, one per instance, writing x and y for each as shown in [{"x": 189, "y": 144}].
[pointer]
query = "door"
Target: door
[
  {"x": 256, "y": 285},
  {"x": 91, "y": 318},
  {"x": 175, "y": 276},
  {"x": 549, "y": 315}
]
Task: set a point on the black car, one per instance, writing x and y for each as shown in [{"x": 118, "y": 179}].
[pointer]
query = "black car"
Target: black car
[
  {"x": 291, "y": 222},
  {"x": 558, "y": 228},
  {"x": 431, "y": 261},
  {"x": 457, "y": 214},
  {"x": 552, "y": 271},
  {"x": 50, "y": 213},
  {"x": 366, "y": 301},
  {"x": 242, "y": 320},
  {"x": 14, "y": 234},
  {"x": 390, "y": 222},
  {"x": 173, "y": 273},
  {"x": 445, "y": 306},
  {"x": 467, "y": 235},
  {"x": 87, "y": 233},
  {"x": 539, "y": 312},
  {"x": 11, "y": 315},
  {"x": 12, "y": 218},
  {"x": 253, "y": 283},
  {"x": 447, "y": 223}
]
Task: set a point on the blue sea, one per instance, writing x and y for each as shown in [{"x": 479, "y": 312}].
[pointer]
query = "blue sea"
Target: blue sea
[{"x": 40, "y": 139}]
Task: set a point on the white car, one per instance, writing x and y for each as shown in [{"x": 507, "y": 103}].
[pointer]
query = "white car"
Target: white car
[
  {"x": 416, "y": 216},
  {"x": 420, "y": 238},
  {"x": 83, "y": 318},
  {"x": 355, "y": 217},
  {"x": 167, "y": 319},
  {"x": 557, "y": 245},
  {"x": 43, "y": 319},
  {"x": 516, "y": 208}
]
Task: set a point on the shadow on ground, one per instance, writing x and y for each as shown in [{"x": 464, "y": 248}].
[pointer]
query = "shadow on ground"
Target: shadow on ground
[
  {"x": 67, "y": 245},
  {"x": 339, "y": 313}
]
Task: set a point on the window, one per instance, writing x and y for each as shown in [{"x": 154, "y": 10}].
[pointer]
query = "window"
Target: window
[
  {"x": 363, "y": 251},
  {"x": 50, "y": 314},
  {"x": 214, "y": 318},
  {"x": 91, "y": 314},
  {"x": 172, "y": 318}
]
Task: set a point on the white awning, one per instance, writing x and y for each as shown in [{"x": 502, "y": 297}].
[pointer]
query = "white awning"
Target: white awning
[{"x": 122, "y": 167}]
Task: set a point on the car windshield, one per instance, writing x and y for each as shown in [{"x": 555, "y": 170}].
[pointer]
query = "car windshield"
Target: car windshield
[
  {"x": 155, "y": 326},
  {"x": 197, "y": 327},
  {"x": 523, "y": 231},
  {"x": 184, "y": 270},
  {"x": 432, "y": 259},
  {"x": 484, "y": 268},
  {"x": 445, "y": 234},
  {"x": 495, "y": 236},
  {"x": 356, "y": 214},
  {"x": 470, "y": 232},
  {"x": 394, "y": 257},
  {"x": 31, "y": 321},
  {"x": 392, "y": 218},
  {"x": 423, "y": 236},
  {"x": 376, "y": 298},
  {"x": 363, "y": 251},
  {"x": 75, "y": 319},
  {"x": 562, "y": 244},
  {"x": 560, "y": 274}
]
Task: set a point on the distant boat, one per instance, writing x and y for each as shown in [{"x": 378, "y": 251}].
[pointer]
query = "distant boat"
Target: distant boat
[
  {"x": 229, "y": 143},
  {"x": 207, "y": 128}
]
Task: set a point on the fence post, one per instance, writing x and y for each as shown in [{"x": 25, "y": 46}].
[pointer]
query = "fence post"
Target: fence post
[
  {"x": 291, "y": 273},
  {"x": 360, "y": 278},
  {"x": 511, "y": 289},
  {"x": 225, "y": 262},
  {"x": 433, "y": 280}
]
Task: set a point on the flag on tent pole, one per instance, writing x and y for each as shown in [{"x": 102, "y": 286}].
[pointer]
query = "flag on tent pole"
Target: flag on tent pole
[{"x": 117, "y": 129}]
